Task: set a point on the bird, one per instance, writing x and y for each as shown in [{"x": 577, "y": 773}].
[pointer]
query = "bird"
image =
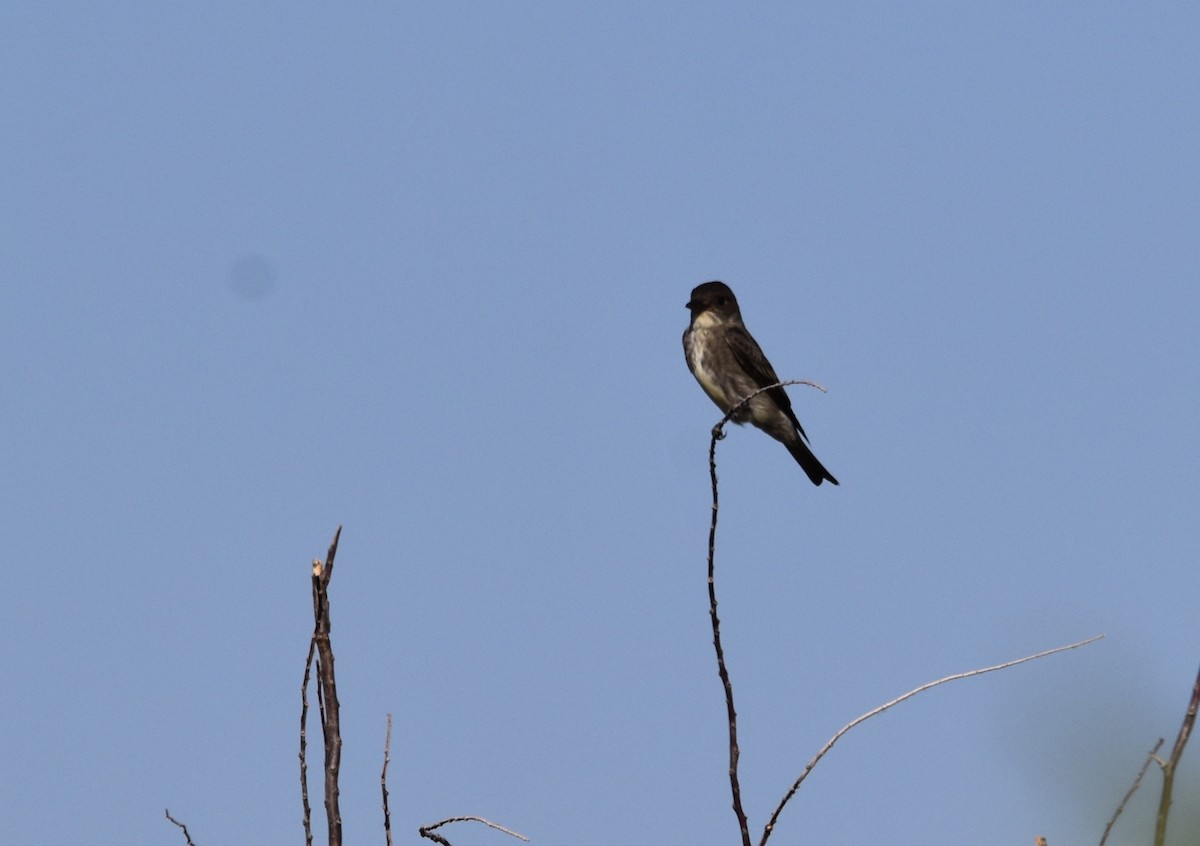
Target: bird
[{"x": 729, "y": 365}]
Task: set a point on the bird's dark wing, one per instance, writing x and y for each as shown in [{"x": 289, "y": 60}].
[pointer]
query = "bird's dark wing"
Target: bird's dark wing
[{"x": 754, "y": 363}]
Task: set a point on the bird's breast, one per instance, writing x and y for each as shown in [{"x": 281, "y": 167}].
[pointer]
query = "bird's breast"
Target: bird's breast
[{"x": 698, "y": 345}]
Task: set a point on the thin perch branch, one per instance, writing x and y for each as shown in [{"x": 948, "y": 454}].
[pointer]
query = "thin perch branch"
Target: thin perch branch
[
  {"x": 718, "y": 433},
  {"x": 731, "y": 713},
  {"x": 885, "y": 706}
]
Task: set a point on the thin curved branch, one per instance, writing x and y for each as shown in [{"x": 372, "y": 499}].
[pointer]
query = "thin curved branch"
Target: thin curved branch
[
  {"x": 885, "y": 706},
  {"x": 427, "y": 830},
  {"x": 1137, "y": 782}
]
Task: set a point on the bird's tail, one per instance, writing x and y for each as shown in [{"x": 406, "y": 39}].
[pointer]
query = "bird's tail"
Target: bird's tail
[{"x": 808, "y": 462}]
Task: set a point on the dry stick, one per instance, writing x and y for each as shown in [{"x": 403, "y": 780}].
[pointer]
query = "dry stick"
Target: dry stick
[
  {"x": 327, "y": 701},
  {"x": 387, "y": 814},
  {"x": 186, "y": 836},
  {"x": 427, "y": 830},
  {"x": 1137, "y": 782},
  {"x": 327, "y": 692},
  {"x": 718, "y": 433},
  {"x": 1185, "y": 731},
  {"x": 897, "y": 701},
  {"x": 312, "y": 648}
]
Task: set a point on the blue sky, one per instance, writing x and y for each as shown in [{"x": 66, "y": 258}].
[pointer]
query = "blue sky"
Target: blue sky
[{"x": 420, "y": 269}]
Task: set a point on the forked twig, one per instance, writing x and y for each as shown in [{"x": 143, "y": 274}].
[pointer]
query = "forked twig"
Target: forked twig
[
  {"x": 1185, "y": 731},
  {"x": 885, "y": 706},
  {"x": 1137, "y": 782}
]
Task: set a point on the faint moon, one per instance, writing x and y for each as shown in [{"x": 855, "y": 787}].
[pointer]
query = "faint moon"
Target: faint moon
[{"x": 252, "y": 277}]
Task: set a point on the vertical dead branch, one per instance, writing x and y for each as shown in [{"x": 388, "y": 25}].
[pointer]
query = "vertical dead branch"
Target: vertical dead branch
[
  {"x": 327, "y": 701},
  {"x": 1185, "y": 731},
  {"x": 387, "y": 751},
  {"x": 327, "y": 687}
]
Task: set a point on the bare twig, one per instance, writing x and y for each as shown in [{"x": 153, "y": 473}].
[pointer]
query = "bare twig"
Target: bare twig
[
  {"x": 969, "y": 673},
  {"x": 718, "y": 433},
  {"x": 1185, "y": 731},
  {"x": 427, "y": 830},
  {"x": 327, "y": 687},
  {"x": 186, "y": 836},
  {"x": 722, "y": 671},
  {"x": 1137, "y": 782},
  {"x": 387, "y": 751},
  {"x": 327, "y": 701},
  {"x": 312, "y": 649}
]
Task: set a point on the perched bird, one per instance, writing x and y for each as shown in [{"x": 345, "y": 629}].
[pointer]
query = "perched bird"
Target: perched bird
[{"x": 726, "y": 361}]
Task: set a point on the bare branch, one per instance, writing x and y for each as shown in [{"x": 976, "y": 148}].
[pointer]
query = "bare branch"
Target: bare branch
[
  {"x": 186, "y": 836},
  {"x": 1137, "y": 782},
  {"x": 319, "y": 647},
  {"x": 718, "y": 433},
  {"x": 1185, "y": 731},
  {"x": 312, "y": 649},
  {"x": 387, "y": 750},
  {"x": 968, "y": 674},
  {"x": 730, "y": 712},
  {"x": 427, "y": 830},
  {"x": 327, "y": 690}
]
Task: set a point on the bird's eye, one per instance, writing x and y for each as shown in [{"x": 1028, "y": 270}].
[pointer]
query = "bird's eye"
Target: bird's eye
[{"x": 722, "y": 300}]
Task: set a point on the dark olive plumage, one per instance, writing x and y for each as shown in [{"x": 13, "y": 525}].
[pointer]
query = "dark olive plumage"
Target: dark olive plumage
[{"x": 728, "y": 364}]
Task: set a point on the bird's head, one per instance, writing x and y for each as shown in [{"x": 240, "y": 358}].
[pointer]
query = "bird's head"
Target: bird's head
[{"x": 715, "y": 301}]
